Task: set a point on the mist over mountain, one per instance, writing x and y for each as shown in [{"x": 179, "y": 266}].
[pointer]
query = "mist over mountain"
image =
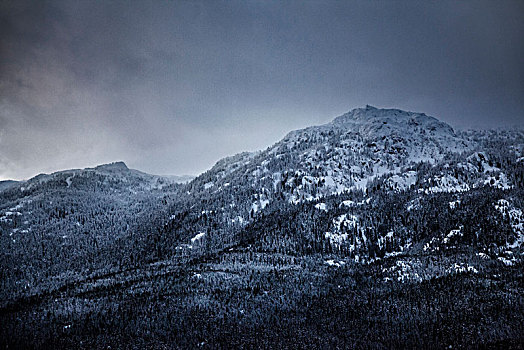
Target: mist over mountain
[{"x": 382, "y": 228}]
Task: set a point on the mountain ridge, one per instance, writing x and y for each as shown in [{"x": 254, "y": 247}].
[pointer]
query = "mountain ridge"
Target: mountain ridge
[
  {"x": 348, "y": 152},
  {"x": 357, "y": 118},
  {"x": 343, "y": 225}
]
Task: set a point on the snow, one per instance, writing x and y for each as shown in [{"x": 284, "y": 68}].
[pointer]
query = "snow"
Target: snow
[
  {"x": 402, "y": 182},
  {"x": 516, "y": 219},
  {"x": 454, "y": 204},
  {"x": 321, "y": 206},
  {"x": 259, "y": 205},
  {"x": 452, "y": 234},
  {"x": 198, "y": 237},
  {"x": 264, "y": 203},
  {"x": 208, "y": 185},
  {"x": 335, "y": 237},
  {"x": 499, "y": 181},
  {"x": 412, "y": 269},
  {"x": 350, "y": 203},
  {"x": 403, "y": 271},
  {"x": 332, "y": 262},
  {"x": 445, "y": 183},
  {"x": 506, "y": 261},
  {"x": 461, "y": 268},
  {"x": 17, "y": 207},
  {"x": 357, "y": 148},
  {"x": 11, "y": 212},
  {"x": 330, "y": 182},
  {"x": 434, "y": 244},
  {"x": 347, "y": 220},
  {"x": 238, "y": 219},
  {"x": 480, "y": 161}
]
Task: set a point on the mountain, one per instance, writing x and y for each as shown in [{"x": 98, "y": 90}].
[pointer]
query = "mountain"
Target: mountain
[
  {"x": 382, "y": 228},
  {"x": 6, "y": 184},
  {"x": 362, "y": 154},
  {"x": 73, "y": 219},
  {"x": 181, "y": 179},
  {"x": 346, "y": 154}
]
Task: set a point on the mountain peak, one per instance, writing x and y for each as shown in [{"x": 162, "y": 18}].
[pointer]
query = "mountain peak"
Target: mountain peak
[
  {"x": 113, "y": 166},
  {"x": 372, "y": 123},
  {"x": 370, "y": 114},
  {"x": 383, "y": 120}
]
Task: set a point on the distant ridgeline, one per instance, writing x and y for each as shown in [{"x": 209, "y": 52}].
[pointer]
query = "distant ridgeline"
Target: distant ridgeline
[{"x": 398, "y": 195}]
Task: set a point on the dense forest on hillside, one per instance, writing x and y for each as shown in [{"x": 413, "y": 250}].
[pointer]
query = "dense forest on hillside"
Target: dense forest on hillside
[{"x": 346, "y": 235}]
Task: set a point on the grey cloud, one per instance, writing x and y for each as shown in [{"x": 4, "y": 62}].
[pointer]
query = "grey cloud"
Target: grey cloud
[{"x": 170, "y": 87}]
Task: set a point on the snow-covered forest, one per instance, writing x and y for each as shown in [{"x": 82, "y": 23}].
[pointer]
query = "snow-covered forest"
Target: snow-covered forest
[{"x": 383, "y": 228}]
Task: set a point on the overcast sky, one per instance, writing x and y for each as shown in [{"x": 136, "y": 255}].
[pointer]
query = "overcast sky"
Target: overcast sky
[{"x": 171, "y": 87}]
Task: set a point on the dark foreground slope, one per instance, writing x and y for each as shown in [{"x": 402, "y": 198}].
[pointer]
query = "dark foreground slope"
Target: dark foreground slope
[
  {"x": 246, "y": 300},
  {"x": 382, "y": 229}
]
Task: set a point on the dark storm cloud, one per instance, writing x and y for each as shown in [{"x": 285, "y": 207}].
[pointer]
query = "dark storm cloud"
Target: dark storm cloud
[{"x": 170, "y": 87}]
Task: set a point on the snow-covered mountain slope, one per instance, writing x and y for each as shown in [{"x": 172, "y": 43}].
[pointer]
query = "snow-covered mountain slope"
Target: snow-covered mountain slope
[
  {"x": 113, "y": 175},
  {"x": 6, "y": 184},
  {"x": 341, "y": 156},
  {"x": 67, "y": 210},
  {"x": 342, "y": 170},
  {"x": 373, "y": 185},
  {"x": 105, "y": 189},
  {"x": 359, "y": 157},
  {"x": 366, "y": 143}
]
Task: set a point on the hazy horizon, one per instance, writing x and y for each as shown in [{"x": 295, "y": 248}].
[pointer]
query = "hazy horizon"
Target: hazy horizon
[{"x": 240, "y": 151}]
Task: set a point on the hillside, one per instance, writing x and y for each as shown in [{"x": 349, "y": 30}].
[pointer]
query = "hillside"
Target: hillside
[
  {"x": 74, "y": 220},
  {"x": 382, "y": 228},
  {"x": 359, "y": 163}
]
